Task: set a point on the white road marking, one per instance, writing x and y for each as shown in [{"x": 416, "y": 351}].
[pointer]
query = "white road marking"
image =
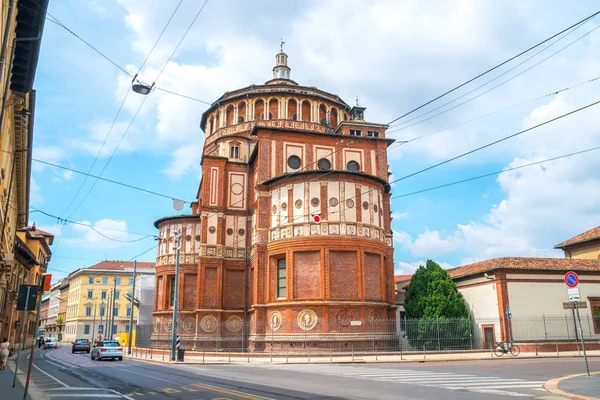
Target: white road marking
[
  {"x": 99, "y": 395},
  {"x": 499, "y": 392},
  {"x": 47, "y": 374}
]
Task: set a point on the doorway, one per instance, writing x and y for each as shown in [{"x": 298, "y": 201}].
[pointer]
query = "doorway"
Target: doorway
[{"x": 489, "y": 336}]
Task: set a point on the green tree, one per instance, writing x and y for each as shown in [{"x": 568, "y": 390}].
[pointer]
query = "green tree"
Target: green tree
[{"x": 437, "y": 315}]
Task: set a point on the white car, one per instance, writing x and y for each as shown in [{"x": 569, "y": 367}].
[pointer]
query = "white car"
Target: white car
[
  {"x": 107, "y": 349},
  {"x": 50, "y": 343}
]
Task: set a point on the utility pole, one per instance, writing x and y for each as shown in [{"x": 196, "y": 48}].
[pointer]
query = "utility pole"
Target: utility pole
[
  {"x": 176, "y": 299},
  {"x": 112, "y": 318},
  {"x": 108, "y": 312},
  {"x": 94, "y": 323},
  {"x": 129, "y": 339},
  {"x": 21, "y": 342},
  {"x": 35, "y": 329}
]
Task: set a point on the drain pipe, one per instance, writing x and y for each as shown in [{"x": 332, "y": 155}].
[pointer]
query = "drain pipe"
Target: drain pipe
[{"x": 8, "y": 80}]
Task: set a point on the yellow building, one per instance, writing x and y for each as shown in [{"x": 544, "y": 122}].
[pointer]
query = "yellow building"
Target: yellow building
[
  {"x": 585, "y": 245},
  {"x": 91, "y": 294},
  {"x": 21, "y": 24}
]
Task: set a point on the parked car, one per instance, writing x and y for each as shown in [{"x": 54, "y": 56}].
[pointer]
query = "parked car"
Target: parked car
[
  {"x": 107, "y": 349},
  {"x": 50, "y": 343},
  {"x": 81, "y": 345}
]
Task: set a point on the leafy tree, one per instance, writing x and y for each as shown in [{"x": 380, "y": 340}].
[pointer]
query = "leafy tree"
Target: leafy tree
[{"x": 437, "y": 315}]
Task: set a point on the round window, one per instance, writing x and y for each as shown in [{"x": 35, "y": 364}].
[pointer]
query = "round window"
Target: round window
[
  {"x": 241, "y": 232},
  {"x": 315, "y": 202},
  {"x": 298, "y": 203},
  {"x": 365, "y": 205},
  {"x": 324, "y": 164},
  {"x": 353, "y": 166},
  {"x": 197, "y": 238},
  {"x": 375, "y": 208},
  {"x": 212, "y": 229},
  {"x": 284, "y": 206},
  {"x": 333, "y": 202},
  {"x": 294, "y": 162},
  {"x": 349, "y": 203},
  {"x": 229, "y": 231},
  {"x": 274, "y": 209}
]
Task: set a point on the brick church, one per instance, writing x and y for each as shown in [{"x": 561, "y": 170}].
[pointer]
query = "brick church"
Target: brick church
[{"x": 290, "y": 235}]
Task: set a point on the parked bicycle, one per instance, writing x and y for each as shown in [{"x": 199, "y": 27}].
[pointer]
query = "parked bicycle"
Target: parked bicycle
[{"x": 506, "y": 347}]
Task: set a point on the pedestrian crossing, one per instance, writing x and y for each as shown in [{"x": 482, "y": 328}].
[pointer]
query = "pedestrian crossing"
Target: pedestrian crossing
[{"x": 445, "y": 380}]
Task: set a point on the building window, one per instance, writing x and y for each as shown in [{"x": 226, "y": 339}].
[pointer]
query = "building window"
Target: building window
[
  {"x": 117, "y": 295},
  {"x": 116, "y": 311},
  {"x": 86, "y": 329},
  {"x": 102, "y": 311},
  {"x": 90, "y": 294},
  {"x": 324, "y": 164},
  {"x": 103, "y": 295},
  {"x": 294, "y": 116},
  {"x": 281, "y": 278},
  {"x": 128, "y": 311},
  {"x": 127, "y": 328},
  {"x": 240, "y": 119},
  {"x": 234, "y": 152},
  {"x": 91, "y": 280},
  {"x": 114, "y": 329},
  {"x": 88, "y": 311},
  {"x": 294, "y": 162},
  {"x": 105, "y": 281},
  {"x": 355, "y": 132},
  {"x": 118, "y": 281},
  {"x": 353, "y": 166},
  {"x": 373, "y": 134},
  {"x": 130, "y": 281},
  {"x": 172, "y": 297}
]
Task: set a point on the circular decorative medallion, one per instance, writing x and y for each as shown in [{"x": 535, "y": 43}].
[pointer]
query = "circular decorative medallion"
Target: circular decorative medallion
[
  {"x": 294, "y": 162},
  {"x": 315, "y": 201},
  {"x": 344, "y": 317},
  {"x": 298, "y": 203},
  {"x": 188, "y": 324},
  {"x": 333, "y": 202},
  {"x": 234, "y": 324},
  {"x": 275, "y": 320},
  {"x": 307, "y": 320},
  {"x": 274, "y": 209},
  {"x": 353, "y": 166},
  {"x": 324, "y": 163},
  {"x": 241, "y": 232},
  {"x": 197, "y": 238},
  {"x": 365, "y": 205},
  {"x": 375, "y": 207},
  {"x": 208, "y": 323},
  {"x": 156, "y": 325},
  {"x": 349, "y": 203},
  {"x": 212, "y": 229},
  {"x": 283, "y": 206},
  {"x": 229, "y": 231},
  {"x": 169, "y": 323},
  {"x": 237, "y": 188}
]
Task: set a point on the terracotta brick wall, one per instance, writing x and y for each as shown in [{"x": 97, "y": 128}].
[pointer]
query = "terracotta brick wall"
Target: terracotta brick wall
[
  {"x": 234, "y": 289},
  {"x": 189, "y": 291},
  {"x": 372, "y": 276},
  {"x": 307, "y": 274},
  {"x": 210, "y": 287},
  {"x": 342, "y": 275},
  {"x": 160, "y": 294}
]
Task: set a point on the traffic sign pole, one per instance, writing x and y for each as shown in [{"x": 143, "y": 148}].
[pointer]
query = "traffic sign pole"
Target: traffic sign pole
[
  {"x": 23, "y": 325},
  {"x": 572, "y": 280},
  {"x": 587, "y": 367}
]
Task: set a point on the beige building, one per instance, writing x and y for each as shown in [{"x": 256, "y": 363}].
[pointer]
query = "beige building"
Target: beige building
[{"x": 584, "y": 245}]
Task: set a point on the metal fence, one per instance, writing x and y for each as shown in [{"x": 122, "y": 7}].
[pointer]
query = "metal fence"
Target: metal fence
[{"x": 439, "y": 334}]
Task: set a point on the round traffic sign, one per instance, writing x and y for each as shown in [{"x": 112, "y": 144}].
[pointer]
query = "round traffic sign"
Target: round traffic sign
[{"x": 571, "y": 279}]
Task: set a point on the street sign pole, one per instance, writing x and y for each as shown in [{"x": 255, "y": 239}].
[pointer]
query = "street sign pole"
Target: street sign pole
[
  {"x": 43, "y": 286},
  {"x": 587, "y": 367},
  {"x": 24, "y": 324},
  {"x": 176, "y": 296}
]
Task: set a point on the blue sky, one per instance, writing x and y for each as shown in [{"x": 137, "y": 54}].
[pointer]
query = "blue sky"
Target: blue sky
[{"x": 393, "y": 55}]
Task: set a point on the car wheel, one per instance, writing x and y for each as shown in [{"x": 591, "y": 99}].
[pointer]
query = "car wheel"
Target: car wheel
[
  {"x": 120, "y": 358},
  {"x": 92, "y": 357}
]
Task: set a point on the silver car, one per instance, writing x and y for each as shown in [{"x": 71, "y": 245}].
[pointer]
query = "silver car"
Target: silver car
[
  {"x": 50, "y": 343},
  {"x": 107, "y": 349}
]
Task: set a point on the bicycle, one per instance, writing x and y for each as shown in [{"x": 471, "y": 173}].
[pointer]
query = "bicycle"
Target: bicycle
[{"x": 506, "y": 347}]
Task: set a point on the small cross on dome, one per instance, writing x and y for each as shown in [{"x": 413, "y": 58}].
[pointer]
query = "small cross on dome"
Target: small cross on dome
[{"x": 281, "y": 45}]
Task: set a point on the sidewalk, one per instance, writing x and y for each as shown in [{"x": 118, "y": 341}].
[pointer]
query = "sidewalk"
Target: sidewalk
[
  {"x": 577, "y": 387},
  {"x": 6, "y": 381}
]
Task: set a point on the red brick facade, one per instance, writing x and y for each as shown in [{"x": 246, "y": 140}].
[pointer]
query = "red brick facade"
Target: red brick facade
[{"x": 251, "y": 249}]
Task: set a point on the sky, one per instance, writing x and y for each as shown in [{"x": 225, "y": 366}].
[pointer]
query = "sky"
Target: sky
[{"x": 393, "y": 55}]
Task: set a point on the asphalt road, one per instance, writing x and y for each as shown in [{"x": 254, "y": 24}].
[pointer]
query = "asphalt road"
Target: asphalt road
[{"x": 62, "y": 375}]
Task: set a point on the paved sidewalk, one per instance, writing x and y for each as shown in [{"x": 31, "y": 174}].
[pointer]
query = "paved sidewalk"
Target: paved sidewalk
[
  {"x": 6, "y": 381},
  {"x": 577, "y": 387}
]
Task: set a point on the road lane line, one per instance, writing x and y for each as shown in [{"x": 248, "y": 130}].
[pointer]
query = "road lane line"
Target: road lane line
[
  {"x": 203, "y": 386},
  {"x": 47, "y": 374},
  {"x": 100, "y": 395}
]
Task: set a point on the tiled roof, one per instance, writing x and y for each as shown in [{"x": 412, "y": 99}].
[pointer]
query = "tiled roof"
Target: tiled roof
[
  {"x": 592, "y": 234},
  {"x": 402, "y": 278},
  {"x": 121, "y": 265},
  {"x": 526, "y": 263}
]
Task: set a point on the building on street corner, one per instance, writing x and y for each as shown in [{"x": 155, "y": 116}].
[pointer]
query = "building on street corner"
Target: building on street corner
[
  {"x": 91, "y": 295},
  {"x": 22, "y": 25},
  {"x": 289, "y": 242}
]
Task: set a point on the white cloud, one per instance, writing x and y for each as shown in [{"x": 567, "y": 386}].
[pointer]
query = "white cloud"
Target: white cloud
[
  {"x": 56, "y": 229},
  {"x": 106, "y": 233},
  {"x": 428, "y": 244},
  {"x": 399, "y": 215},
  {"x": 35, "y": 194},
  {"x": 184, "y": 160},
  {"x": 408, "y": 268},
  {"x": 68, "y": 175}
]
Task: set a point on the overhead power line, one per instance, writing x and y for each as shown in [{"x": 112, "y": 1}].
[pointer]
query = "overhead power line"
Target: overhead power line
[
  {"x": 495, "y": 173},
  {"x": 494, "y": 68}
]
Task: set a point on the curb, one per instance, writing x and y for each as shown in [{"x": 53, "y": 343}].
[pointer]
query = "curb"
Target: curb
[
  {"x": 552, "y": 387},
  {"x": 34, "y": 392}
]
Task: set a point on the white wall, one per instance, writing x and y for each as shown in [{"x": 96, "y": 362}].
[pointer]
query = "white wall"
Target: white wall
[{"x": 482, "y": 301}]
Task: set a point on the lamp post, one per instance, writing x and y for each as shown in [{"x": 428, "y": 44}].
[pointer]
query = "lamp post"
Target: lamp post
[
  {"x": 112, "y": 314},
  {"x": 132, "y": 310},
  {"x": 176, "y": 299},
  {"x": 94, "y": 323}
]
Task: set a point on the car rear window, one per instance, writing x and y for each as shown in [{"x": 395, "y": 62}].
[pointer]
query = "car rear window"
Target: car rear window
[
  {"x": 81, "y": 341},
  {"x": 110, "y": 344}
]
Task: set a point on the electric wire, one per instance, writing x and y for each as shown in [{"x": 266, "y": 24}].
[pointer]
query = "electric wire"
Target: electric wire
[{"x": 494, "y": 68}]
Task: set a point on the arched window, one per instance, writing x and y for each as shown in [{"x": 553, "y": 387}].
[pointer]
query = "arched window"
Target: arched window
[
  {"x": 240, "y": 119},
  {"x": 294, "y": 116}
]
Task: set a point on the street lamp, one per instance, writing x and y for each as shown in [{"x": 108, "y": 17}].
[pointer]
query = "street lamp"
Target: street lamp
[{"x": 142, "y": 88}]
